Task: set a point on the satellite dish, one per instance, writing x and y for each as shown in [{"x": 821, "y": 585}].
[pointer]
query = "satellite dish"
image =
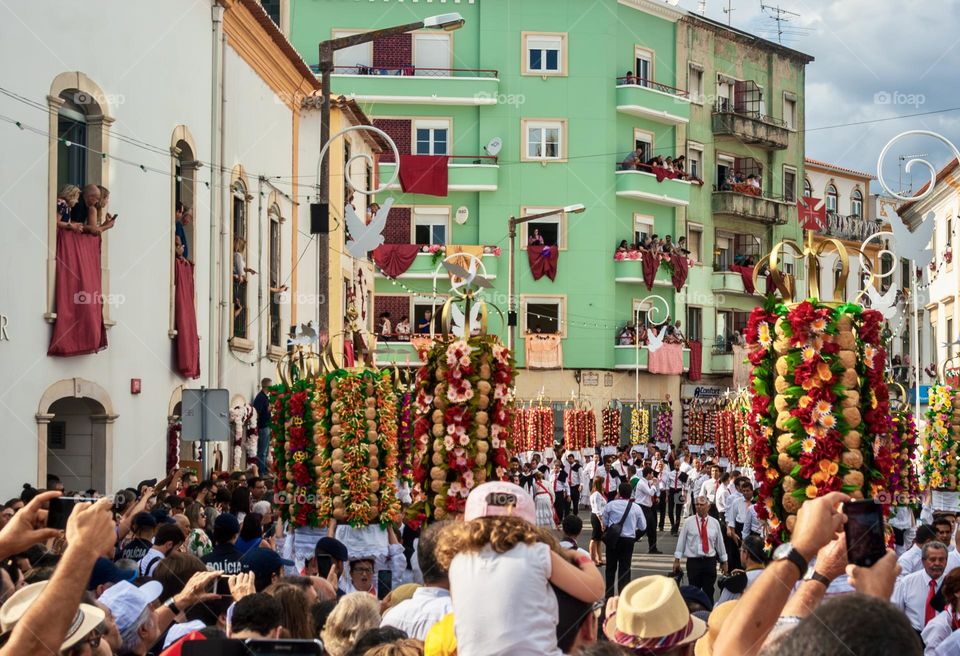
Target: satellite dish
[
  {"x": 494, "y": 147},
  {"x": 463, "y": 213}
]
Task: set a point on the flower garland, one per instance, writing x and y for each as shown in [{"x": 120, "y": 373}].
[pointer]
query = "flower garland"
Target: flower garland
[
  {"x": 532, "y": 429},
  {"x": 611, "y": 427},
  {"x": 903, "y": 483},
  {"x": 173, "y": 445},
  {"x": 296, "y": 455},
  {"x": 639, "y": 425},
  {"x": 743, "y": 434},
  {"x": 244, "y": 421},
  {"x": 664, "y": 431},
  {"x": 406, "y": 443},
  {"x": 694, "y": 424},
  {"x": 463, "y": 417},
  {"x": 939, "y": 461},
  {"x": 579, "y": 429},
  {"x": 726, "y": 438},
  {"x": 819, "y": 406}
]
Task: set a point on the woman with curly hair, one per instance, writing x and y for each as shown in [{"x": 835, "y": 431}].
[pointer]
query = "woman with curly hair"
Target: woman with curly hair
[
  {"x": 354, "y": 613},
  {"x": 501, "y": 568}
]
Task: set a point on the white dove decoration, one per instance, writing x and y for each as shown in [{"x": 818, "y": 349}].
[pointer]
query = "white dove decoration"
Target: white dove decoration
[
  {"x": 305, "y": 336},
  {"x": 885, "y": 304},
  {"x": 913, "y": 245},
  {"x": 654, "y": 341},
  {"x": 366, "y": 237},
  {"x": 459, "y": 327}
]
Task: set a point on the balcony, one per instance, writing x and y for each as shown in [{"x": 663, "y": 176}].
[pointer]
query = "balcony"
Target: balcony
[
  {"x": 629, "y": 357},
  {"x": 643, "y": 185},
  {"x": 758, "y": 208},
  {"x": 750, "y": 128},
  {"x": 731, "y": 282},
  {"x": 851, "y": 227},
  {"x": 417, "y": 86},
  {"x": 399, "y": 353},
  {"x": 464, "y": 173},
  {"x": 651, "y": 100},
  {"x": 631, "y": 271},
  {"x": 425, "y": 266},
  {"x": 721, "y": 363}
]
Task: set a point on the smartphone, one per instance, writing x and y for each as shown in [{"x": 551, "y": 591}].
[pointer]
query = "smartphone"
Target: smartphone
[
  {"x": 58, "y": 511},
  {"x": 221, "y": 586},
  {"x": 252, "y": 647},
  {"x": 384, "y": 583},
  {"x": 324, "y": 564},
  {"x": 866, "y": 542}
]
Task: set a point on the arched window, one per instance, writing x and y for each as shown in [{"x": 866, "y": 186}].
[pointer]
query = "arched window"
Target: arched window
[
  {"x": 184, "y": 167},
  {"x": 238, "y": 222},
  {"x": 856, "y": 203},
  {"x": 276, "y": 277},
  {"x": 71, "y": 141},
  {"x": 807, "y": 188},
  {"x": 832, "y": 198}
]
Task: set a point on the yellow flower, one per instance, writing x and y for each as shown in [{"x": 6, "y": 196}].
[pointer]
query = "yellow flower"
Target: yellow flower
[
  {"x": 808, "y": 445},
  {"x": 868, "y": 353},
  {"x": 829, "y": 467},
  {"x": 818, "y": 477},
  {"x": 818, "y": 325},
  {"x": 297, "y": 421},
  {"x": 811, "y": 491},
  {"x": 824, "y": 407},
  {"x": 809, "y": 352},
  {"x": 804, "y": 401},
  {"x": 823, "y": 371},
  {"x": 828, "y": 421},
  {"x": 763, "y": 335}
]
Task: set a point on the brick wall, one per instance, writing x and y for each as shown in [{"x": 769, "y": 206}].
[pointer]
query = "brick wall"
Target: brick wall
[
  {"x": 397, "y": 306},
  {"x": 397, "y": 230},
  {"x": 393, "y": 51},
  {"x": 399, "y": 131}
]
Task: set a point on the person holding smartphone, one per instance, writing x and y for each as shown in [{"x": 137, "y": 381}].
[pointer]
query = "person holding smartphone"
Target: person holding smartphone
[{"x": 330, "y": 555}]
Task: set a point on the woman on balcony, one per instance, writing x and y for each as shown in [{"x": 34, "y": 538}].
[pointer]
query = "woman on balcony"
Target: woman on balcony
[
  {"x": 87, "y": 210},
  {"x": 403, "y": 327},
  {"x": 68, "y": 197}
]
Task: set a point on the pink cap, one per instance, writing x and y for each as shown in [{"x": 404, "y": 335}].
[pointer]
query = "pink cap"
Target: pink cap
[{"x": 500, "y": 499}]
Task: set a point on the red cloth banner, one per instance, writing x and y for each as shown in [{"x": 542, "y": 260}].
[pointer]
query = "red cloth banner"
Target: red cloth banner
[
  {"x": 663, "y": 173},
  {"x": 680, "y": 269},
  {"x": 543, "y": 261},
  {"x": 424, "y": 174},
  {"x": 395, "y": 259},
  {"x": 668, "y": 359},
  {"x": 696, "y": 360},
  {"x": 746, "y": 274},
  {"x": 185, "y": 320},
  {"x": 79, "y": 328},
  {"x": 811, "y": 217},
  {"x": 651, "y": 262}
]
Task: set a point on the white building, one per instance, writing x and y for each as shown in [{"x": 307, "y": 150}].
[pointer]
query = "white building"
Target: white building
[{"x": 200, "y": 102}]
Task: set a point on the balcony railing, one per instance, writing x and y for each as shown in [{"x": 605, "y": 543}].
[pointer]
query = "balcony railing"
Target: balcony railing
[
  {"x": 464, "y": 172},
  {"x": 758, "y": 208},
  {"x": 653, "y": 184},
  {"x": 409, "y": 71},
  {"x": 853, "y": 227},
  {"x": 750, "y": 127},
  {"x": 652, "y": 100},
  {"x": 633, "y": 80},
  {"x": 412, "y": 85}
]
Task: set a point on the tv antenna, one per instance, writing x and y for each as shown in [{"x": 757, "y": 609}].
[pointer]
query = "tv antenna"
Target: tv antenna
[
  {"x": 702, "y": 7},
  {"x": 781, "y": 17},
  {"x": 728, "y": 10},
  {"x": 900, "y": 161}
]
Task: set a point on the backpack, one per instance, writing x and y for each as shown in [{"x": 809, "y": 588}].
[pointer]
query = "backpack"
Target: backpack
[{"x": 613, "y": 532}]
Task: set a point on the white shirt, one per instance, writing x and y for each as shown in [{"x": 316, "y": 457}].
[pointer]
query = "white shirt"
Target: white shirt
[
  {"x": 589, "y": 471},
  {"x": 597, "y": 503},
  {"x": 709, "y": 490},
  {"x": 635, "y": 523},
  {"x": 735, "y": 504},
  {"x": 953, "y": 561},
  {"x": 500, "y": 626},
  {"x": 568, "y": 543},
  {"x": 910, "y": 561},
  {"x": 752, "y": 523},
  {"x": 644, "y": 492},
  {"x": 723, "y": 495},
  {"x": 560, "y": 488},
  {"x": 573, "y": 475},
  {"x": 950, "y": 646},
  {"x": 688, "y": 545},
  {"x": 148, "y": 564},
  {"x": 752, "y": 575},
  {"x": 936, "y": 631},
  {"x": 910, "y": 595},
  {"x": 419, "y": 613}
]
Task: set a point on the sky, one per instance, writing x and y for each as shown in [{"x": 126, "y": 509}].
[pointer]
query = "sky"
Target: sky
[{"x": 874, "y": 59}]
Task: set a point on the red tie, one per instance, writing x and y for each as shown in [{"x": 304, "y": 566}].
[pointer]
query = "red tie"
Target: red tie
[
  {"x": 676, "y": 478},
  {"x": 704, "y": 542},
  {"x": 606, "y": 484},
  {"x": 930, "y": 613}
]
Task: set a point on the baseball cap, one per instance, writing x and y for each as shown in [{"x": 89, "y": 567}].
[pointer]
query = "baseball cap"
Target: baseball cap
[
  {"x": 104, "y": 571},
  {"x": 144, "y": 519},
  {"x": 264, "y": 561},
  {"x": 162, "y": 516},
  {"x": 85, "y": 620},
  {"x": 500, "y": 499},
  {"x": 226, "y": 522},
  {"x": 127, "y": 601},
  {"x": 332, "y": 547}
]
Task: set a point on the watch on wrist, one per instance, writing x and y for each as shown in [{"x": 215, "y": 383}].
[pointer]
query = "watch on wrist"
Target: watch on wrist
[
  {"x": 172, "y": 605},
  {"x": 813, "y": 575},
  {"x": 786, "y": 551}
]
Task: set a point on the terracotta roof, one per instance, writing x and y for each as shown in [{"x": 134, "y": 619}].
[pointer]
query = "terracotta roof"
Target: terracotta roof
[
  {"x": 947, "y": 169},
  {"x": 839, "y": 169},
  {"x": 259, "y": 13},
  {"x": 357, "y": 116}
]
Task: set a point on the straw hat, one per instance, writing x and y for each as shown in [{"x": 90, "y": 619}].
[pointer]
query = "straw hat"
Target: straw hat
[
  {"x": 721, "y": 612},
  {"x": 651, "y": 614},
  {"x": 85, "y": 620}
]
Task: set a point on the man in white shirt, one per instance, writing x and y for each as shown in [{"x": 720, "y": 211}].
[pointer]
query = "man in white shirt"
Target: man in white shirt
[
  {"x": 644, "y": 493},
  {"x": 620, "y": 555},
  {"x": 909, "y": 561},
  {"x": 725, "y": 487},
  {"x": 709, "y": 489},
  {"x": 561, "y": 489},
  {"x": 915, "y": 594},
  {"x": 168, "y": 538},
  {"x": 573, "y": 469},
  {"x": 430, "y": 602},
  {"x": 672, "y": 487},
  {"x": 611, "y": 477},
  {"x": 701, "y": 543}
]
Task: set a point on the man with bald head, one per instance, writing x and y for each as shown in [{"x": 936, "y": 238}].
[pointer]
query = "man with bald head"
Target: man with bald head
[{"x": 86, "y": 211}]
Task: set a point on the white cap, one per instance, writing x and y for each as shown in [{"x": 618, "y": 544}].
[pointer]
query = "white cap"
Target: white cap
[{"x": 127, "y": 602}]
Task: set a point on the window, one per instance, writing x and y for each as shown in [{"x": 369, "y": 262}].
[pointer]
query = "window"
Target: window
[
  {"x": 544, "y": 140},
  {"x": 426, "y": 312},
  {"x": 747, "y": 246},
  {"x": 831, "y": 198},
  {"x": 949, "y": 240},
  {"x": 551, "y": 228},
  {"x": 949, "y": 338},
  {"x": 695, "y": 160},
  {"x": 544, "y": 53},
  {"x": 643, "y": 139},
  {"x": 431, "y": 137},
  {"x": 722, "y": 255},
  {"x": 239, "y": 225},
  {"x": 72, "y": 128},
  {"x": 430, "y": 225},
  {"x": 351, "y": 60},
  {"x": 790, "y": 112},
  {"x": 725, "y": 166},
  {"x": 724, "y": 342},
  {"x": 695, "y": 241},
  {"x": 644, "y": 66},
  {"x": 694, "y": 323},
  {"x": 695, "y": 83},
  {"x": 642, "y": 227},
  {"x": 432, "y": 54},
  {"x": 856, "y": 203},
  {"x": 543, "y": 314},
  {"x": 740, "y": 321},
  {"x": 642, "y": 311},
  {"x": 789, "y": 185},
  {"x": 904, "y": 273},
  {"x": 724, "y": 94},
  {"x": 276, "y": 330},
  {"x": 807, "y": 188}
]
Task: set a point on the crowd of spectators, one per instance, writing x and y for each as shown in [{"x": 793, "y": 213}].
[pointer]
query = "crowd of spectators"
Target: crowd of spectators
[
  {"x": 651, "y": 244},
  {"x": 669, "y": 167},
  {"x": 749, "y": 184}
]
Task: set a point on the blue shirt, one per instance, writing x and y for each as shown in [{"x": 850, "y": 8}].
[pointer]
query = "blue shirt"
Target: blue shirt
[
  {"x": 634, "y": 523},
  {"x": 183, "y": 240}
]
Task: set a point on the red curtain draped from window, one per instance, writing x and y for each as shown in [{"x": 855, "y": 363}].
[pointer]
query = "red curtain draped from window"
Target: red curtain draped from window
[
  {"x": 696, "y": 360},
  {"x": 543, "y": 261},
  {"x": 424, "y": 174},
  {"x": 185, "y": 321},
  {"x": 394, "y": 259},
  {"x": 79, "y": 328}
]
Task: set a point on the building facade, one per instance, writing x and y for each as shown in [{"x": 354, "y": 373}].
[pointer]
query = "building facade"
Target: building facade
[
  {"x": 536, "y": 105},
  {"x": 228, "y": 140}
]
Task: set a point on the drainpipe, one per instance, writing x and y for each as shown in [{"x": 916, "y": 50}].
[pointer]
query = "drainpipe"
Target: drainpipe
[
  {"x": 260, "y": 268},
  {"x": 226, "y": 247},
  {"x": 213, "y": 308}
]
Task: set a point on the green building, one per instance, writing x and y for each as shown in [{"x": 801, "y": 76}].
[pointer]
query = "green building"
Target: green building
[{"x": 568, "y": 91}]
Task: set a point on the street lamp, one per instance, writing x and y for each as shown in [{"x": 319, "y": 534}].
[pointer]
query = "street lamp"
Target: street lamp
[
  {"x": 512, "y": 225},
  {"x": 320, "y": 211}
]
